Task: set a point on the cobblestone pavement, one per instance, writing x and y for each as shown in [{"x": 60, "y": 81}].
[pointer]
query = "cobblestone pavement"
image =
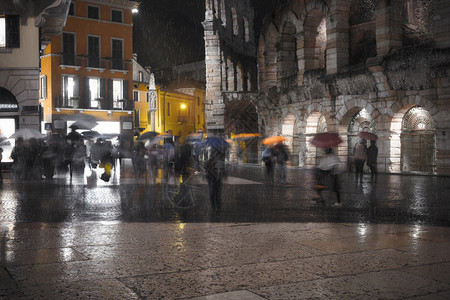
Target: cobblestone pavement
[{"x": 84, "y": 238}]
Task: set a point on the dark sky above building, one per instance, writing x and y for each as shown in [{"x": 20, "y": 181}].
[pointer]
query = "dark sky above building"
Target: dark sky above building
[{"x": 170, "y": 32}]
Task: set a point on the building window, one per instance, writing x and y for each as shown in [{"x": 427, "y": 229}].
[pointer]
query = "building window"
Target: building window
[
  {"x": 148, "y": 97},
  {"x": 43, "y": 87},
  {"x": 94, "y": 91},
  {"x": 117, "y": 54},
  {"x": 93, "y": 12},
  {"x": 9, "y": 32},
  {"x": 116, "y": 15},
  {"x": 68, "y": 57},
  {"x": 136, "y": 96},
  {"x": 93, "y": 51},
  {"x": 168, "y": 109},
  {"x": 70, "y": 90},
  {"x": 72, "y": 9},
  {"x": 141, "y": 76},
  {"x": 117, "y": 93},
  {"x": 198, "y": 101}
]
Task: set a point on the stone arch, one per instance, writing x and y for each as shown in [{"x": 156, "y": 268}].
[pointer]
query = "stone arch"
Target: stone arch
[
  {"x": 315, "y": 122},
  {"x": 287, "y": 50},
  {"x": 315, "y": 36},
  {"x": 362, "y": 31},
  {"x": 288, "y": 130},
  {"x": 270, "y": 54},
  {"x": 398, "y": 162},
  {"x": 239, "y": 77}
]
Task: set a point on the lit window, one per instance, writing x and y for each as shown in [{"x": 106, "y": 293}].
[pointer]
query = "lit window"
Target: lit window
[
  {"x": 43, "y": 87},
  {"x": 9, "y": 31},
  {"x": 2, "y": 31},
  {"x": 141, "y": 76},
  {"x": 117, "y": 93},
  {"x": 94, "y": 92}
]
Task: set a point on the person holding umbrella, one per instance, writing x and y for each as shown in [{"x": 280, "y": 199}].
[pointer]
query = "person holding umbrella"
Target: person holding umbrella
[{"x": 328, "y": 171}]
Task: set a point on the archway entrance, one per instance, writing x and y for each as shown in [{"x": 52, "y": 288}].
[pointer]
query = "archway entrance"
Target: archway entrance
[
  {"x": 287, "y": 130},
  {"x": 316, "y": 123},
  {"x": 361, "y": 121},
  {"x": 418, "y": 141},
  {"x": 241, "y": 117}
]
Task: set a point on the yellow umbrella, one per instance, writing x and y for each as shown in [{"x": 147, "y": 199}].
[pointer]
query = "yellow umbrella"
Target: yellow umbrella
[
  {"x": 274, "y": 140},
  {"x": 246, "y": 135}
]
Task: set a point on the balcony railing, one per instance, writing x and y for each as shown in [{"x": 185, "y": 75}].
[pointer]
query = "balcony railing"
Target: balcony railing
[
  {"x": 77, "y": 61},
  {"x": 97, "y": 103},
  {"x": 70, "y": 60}
]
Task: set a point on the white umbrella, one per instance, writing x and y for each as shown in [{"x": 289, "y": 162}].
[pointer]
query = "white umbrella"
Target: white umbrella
[{"x": 27, "y": 133}]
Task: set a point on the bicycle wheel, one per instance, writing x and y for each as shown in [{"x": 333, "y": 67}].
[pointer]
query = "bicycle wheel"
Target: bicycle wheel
[{"x": 179, "y": 194}]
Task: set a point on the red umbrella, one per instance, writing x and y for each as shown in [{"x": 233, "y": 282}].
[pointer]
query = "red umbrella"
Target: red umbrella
[
  {"x": 326, "y": 140},
  {"x": 368, "y": 136}
]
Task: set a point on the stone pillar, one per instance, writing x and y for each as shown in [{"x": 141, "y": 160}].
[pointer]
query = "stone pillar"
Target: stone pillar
[
  {"x": 338, "y": 40},
  {"x": 388, "y": 26},
  {"x": 214, "y": 106}
]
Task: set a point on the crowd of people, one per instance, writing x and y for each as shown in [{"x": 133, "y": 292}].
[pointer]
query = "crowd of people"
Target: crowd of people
[{"x": 57, "y": 154}]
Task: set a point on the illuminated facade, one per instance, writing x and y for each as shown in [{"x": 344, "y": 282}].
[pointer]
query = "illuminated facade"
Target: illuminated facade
[
  {"x": 179, "y": 111},
  {"x": 88, "y": 68}
]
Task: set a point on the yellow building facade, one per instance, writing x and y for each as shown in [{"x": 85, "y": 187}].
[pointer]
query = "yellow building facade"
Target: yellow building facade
[
  {"x": 88, "y": 69},
  {"x": 179, "y": 111}
]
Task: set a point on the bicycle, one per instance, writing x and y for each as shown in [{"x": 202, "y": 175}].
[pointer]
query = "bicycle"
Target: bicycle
[{"x": 179, "y": 193}]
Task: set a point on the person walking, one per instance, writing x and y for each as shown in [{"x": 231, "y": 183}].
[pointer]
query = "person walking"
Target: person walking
[
  {"x": 268, "y": 159},
  {"x": 282, "y": 156},
  {"x": 359, "y": 157},
  {"x": 372, "y": 154},
  {"x": 328, "y": 172},
  {"x": 215, "y": 169}
]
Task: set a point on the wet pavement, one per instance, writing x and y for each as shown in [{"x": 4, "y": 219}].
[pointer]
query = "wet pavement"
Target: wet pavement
[{"x": 126, "y": 239}]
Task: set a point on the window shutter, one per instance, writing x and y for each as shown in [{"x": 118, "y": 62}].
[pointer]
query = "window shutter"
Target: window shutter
[
  {"x": 76, "y": 87},
  {"x": 125, "y": 89},
  {"x": 110, "y": 93},
  {"x": 87, "y": 93},
  {"x": 12, "y": 31}
]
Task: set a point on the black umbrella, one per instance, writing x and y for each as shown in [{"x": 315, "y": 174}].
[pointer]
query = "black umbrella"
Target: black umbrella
[{"x": 148, "y": 135}]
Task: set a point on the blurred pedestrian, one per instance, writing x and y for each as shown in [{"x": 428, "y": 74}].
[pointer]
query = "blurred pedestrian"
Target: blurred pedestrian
[
  {"x": 359, "y": 157},
  {"x": 215, "y": 171},
  {"x": 139, "y": 159},
  {"x": 281, "y": 154},
  {"x": 1, "y": 167},
  {"x": 18, "y": 156},
  {"x": 268, "y": 159},
  {"x": 372, "y": 154},
  {"x": 328, "y": 172}
]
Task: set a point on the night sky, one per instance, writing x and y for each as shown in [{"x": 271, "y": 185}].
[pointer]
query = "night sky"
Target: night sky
[{"x": 169, "y": 32}]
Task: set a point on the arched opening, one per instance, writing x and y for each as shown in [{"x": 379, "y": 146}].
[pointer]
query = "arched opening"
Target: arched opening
[
  {"x": 287, "y": 56},
  {"x": 287, "y": 130},
  {"x": 235, "y": 21},
  {"x": 270, "y": 56},
  {"x": 361, "y": 121},
  {"x": 362, "y": 31},
  {"x": 418, "y": 141},
  {"x": 315, "y": 123},
  {"x": 418, "y": 22},
  {"x": 230, "y": 75},
  {"x": 315, "y": 40},
  {"x": 239, "y": 78},
  {"x": 241, "y": 117}
]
